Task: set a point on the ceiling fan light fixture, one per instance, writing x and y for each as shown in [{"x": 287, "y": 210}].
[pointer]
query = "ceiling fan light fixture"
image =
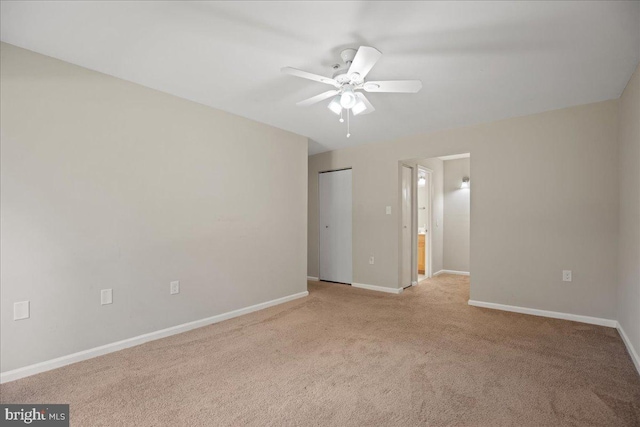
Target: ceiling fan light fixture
[
  {"x": 348, "y": 98},
  {"x": 335, "y": 106},
  {"x": 358, "y": 108}
]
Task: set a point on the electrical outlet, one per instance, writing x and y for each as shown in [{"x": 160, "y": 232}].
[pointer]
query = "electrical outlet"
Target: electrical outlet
[
  {"x": 106, "y": 296},
  {"x": 566, "y": 275},
  {"x": 371, "y": 259},
  {"x": 21, "y": 310},
  {"x": 174, "y": 287}
]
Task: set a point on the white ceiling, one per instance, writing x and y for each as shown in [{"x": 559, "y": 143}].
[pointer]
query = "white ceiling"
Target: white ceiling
[{"x": 478, "y": 61}]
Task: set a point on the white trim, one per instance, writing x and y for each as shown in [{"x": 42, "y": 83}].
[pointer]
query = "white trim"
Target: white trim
[
  {"x": 545, "y": 313},
  {"x": 140, "y": 339},
  {"x": 461, "y": 273},
  {"x": 315, "y": 279},
  {"x": 455, "y": 156},
  {"x": 632, "y": 351},
  {"x": 377, "y": 288}
]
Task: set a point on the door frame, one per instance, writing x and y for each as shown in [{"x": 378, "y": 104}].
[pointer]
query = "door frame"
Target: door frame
[
  {"x": 414, "y": 237},
  {"x": 429, "y": 237},
  {"x": 318, "y": 213}
]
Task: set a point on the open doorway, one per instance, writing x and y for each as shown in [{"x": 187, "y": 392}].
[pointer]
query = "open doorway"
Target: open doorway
[
  {"x": 441, "y": 216},
  {"x": 425, "y": 217}
]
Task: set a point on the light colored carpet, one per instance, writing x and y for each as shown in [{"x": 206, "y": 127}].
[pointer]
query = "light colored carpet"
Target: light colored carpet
[{"x": 346, "y": 356}]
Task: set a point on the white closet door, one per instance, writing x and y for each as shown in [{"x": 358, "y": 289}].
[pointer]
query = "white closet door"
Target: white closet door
[
  {"x": 335, "y": 226},
  {"x": 407, "y": 236}
]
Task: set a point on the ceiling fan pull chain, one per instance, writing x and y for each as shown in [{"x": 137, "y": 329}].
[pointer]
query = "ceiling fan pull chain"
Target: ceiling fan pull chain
[
  {"x": 341, "y": 119},
  {"x": 348, "y": 125}
]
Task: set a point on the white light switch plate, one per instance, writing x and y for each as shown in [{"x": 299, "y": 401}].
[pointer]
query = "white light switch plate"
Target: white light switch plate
[
  {"x": 371, "y": 259},
  {"x": 566, "y": 275},
  {"x": 388, "y": 210},
  {"x": 106, "y": 296},
  {"x": 21, "y": 310},
  {"x": 174, "y": 287}
]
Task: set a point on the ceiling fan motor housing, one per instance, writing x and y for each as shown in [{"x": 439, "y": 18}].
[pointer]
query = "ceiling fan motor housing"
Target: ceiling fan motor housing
[{"x": 340, "y": 75}]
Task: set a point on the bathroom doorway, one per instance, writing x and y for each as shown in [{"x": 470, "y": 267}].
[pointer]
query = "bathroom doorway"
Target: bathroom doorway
[{"x": 424, "y": 216}]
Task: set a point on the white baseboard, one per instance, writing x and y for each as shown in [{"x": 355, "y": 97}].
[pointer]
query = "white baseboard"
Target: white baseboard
[
  {"x": 377, "y": 288},
  {"x": 630, "y": 349},
  {"x": 314, "y": 279},
  {"x": 461, "y": 273},
  {"x": 545, "y": 313},
  {"x": 140, "y": 339}
]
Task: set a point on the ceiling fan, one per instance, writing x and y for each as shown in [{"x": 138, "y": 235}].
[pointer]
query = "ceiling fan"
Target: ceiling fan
[{"x": 349, "y": 80}]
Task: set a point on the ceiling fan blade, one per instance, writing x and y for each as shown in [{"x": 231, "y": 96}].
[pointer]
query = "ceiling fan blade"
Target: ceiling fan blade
[
  {"x": 310, "y": 76},
  {"x": 367, "y": 104},
  {"x": 317, "y": 98},
  {"x": 365, "y": 59},
  {"x": 397, "y": 86}
]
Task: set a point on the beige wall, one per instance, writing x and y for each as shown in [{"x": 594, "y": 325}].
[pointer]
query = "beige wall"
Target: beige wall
[
  {"x": 457, "y": 215},
  {"x": 629, "y": 244},
  {"x": 107, "y": 184},
  {"x": 545, "y": 198}
]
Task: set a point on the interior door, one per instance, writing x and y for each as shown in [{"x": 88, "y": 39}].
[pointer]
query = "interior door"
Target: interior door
[
  {"x": 428, "y": 225},
  {"x": 407, "y": 235},
  {"x": 335, "y": 226}
]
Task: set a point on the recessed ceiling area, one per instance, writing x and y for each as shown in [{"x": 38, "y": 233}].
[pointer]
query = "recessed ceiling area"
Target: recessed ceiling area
[{"x": 478, "y": 61}]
